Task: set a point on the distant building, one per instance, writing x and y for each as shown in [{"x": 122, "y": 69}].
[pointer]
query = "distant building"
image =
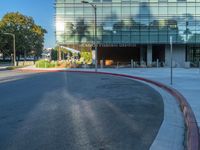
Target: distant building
[
  {"x": 46, "y": 53},
  {"x": 133, "y": 29}
]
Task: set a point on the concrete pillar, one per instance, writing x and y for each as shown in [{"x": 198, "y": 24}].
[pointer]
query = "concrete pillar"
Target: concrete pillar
[
  {"x": 149, "y": 55},
  {"x": 178, "y": 55},
  {"x": 143, "y": 56},
  {"x": 93, "y": 57},
  {"x": 167, "y": 55}
]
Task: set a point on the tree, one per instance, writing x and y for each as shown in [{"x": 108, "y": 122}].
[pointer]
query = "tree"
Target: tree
[
  {"x": 60, "y": 51},
  {"x": 54, "y": 54},
  {"x": 29, "y": 36},
  {"x": 87, "y": 56}
]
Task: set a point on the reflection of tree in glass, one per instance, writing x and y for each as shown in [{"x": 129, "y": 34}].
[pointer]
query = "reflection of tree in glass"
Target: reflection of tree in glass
[
  {"x": 194, "y": 38},
  {"x": 118, "y": 26},
  {"x": 70, "y": 28},
  {"x": 79, "y": 30},
  {"x": 125, "y": 25},
  {"x": 187, "y": 33}
]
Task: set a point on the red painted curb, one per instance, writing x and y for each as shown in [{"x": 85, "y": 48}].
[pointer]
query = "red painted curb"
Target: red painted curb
[{"x": 193, "y": 137}]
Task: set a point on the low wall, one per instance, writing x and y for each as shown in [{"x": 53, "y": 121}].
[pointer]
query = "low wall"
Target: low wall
[{"x": 25, "y": 63}]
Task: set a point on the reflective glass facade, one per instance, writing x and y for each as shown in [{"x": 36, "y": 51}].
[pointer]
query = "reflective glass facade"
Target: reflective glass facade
[{"x": 128, "y": 21}]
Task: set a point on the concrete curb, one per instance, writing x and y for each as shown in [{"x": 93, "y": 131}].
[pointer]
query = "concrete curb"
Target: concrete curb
[
  {"x": 3, "y": 69},
  {"x": 192, "y": 134}
]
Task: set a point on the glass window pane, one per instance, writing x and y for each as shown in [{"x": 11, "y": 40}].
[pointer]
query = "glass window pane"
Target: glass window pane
[
  {"x": 181, "y": 10},
  {"x": 172, "y": 10}
]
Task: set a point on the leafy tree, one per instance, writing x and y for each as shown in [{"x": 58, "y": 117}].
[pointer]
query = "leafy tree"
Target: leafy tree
[
  {"x": 54, "y": 54},
  {"x": 29, "y": 36},
  {"x": 58, "y": 51},
  {"x": 87, "y": 56}
]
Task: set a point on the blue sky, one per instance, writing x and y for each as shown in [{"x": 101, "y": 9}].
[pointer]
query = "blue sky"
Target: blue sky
[{"x": 42, "y": 12}]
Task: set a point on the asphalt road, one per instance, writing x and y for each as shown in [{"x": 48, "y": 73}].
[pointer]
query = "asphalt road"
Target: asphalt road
[{"x": 73, "y": 111}]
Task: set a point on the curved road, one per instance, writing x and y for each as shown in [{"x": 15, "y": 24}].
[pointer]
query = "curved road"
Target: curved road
[{"x": 73, "y": 111}]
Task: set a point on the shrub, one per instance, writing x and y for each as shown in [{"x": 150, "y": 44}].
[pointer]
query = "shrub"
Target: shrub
[
  {"x": 45, "y": 64},
  {"x": 14, "y": 67},
  {"x": 86, "y": 56}
]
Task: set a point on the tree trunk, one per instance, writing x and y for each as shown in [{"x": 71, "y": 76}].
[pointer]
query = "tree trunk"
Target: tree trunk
[
  {"x": 59, "y": 54},
  {"x": 24, "y": 55},
  {"x": 18, "y": 59},
  {"x": 24, "y": 58},
  {"x": 4, "y": 57}
]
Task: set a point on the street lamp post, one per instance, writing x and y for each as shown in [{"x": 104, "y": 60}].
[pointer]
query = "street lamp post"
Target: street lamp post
[
  {"x": 14, "y": 50},
  {"x": 95, "y": 30},
  {"x": 171, "y": 61},
  {"x": 58, "y": 51},
  {"x": 186, "y": 40}
]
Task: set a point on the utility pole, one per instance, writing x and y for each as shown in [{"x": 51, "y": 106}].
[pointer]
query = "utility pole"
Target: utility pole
[
  {"x": 14, "y": 49},
  {"x": 171, "y": 61},
  {"x": 95, "y": 31}
]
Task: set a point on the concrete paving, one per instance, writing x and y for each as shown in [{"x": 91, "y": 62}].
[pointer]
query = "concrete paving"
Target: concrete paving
[
  {"x": 78, "y": 111},
  {"x": 2, "y": 68},
  {"x": 172, "y": 126},
  {"x": 11, "y": 75}
]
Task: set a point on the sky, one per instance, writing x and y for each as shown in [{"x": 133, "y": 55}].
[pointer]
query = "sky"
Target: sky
[{"x": 42, "y": 12}]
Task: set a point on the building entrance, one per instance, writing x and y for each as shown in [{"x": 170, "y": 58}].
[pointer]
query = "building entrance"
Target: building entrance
[
  {"x": 158, "y": 53},
  {"x": 194, "y": 55},
  {"x": 119, "y": 54}
]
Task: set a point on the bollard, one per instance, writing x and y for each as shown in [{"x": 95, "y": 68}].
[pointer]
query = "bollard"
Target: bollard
[
  {"x": 157, "y": 63},
  {"x": 131, "y": 63},
  {"x": 85, "y": 66},
  {"x": 199, "y": 66},
  {"x": 101, "y": 62}
]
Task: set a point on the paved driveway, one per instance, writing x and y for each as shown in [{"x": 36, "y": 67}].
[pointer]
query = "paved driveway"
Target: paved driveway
[{"x": 71, "y": 111}]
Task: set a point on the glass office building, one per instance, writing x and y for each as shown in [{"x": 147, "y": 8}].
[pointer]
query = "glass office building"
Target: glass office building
[{"x": 133, "y": 29}]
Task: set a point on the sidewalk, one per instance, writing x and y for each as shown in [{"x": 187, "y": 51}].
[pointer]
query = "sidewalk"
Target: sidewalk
[{"x": 3, "y": 68}]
